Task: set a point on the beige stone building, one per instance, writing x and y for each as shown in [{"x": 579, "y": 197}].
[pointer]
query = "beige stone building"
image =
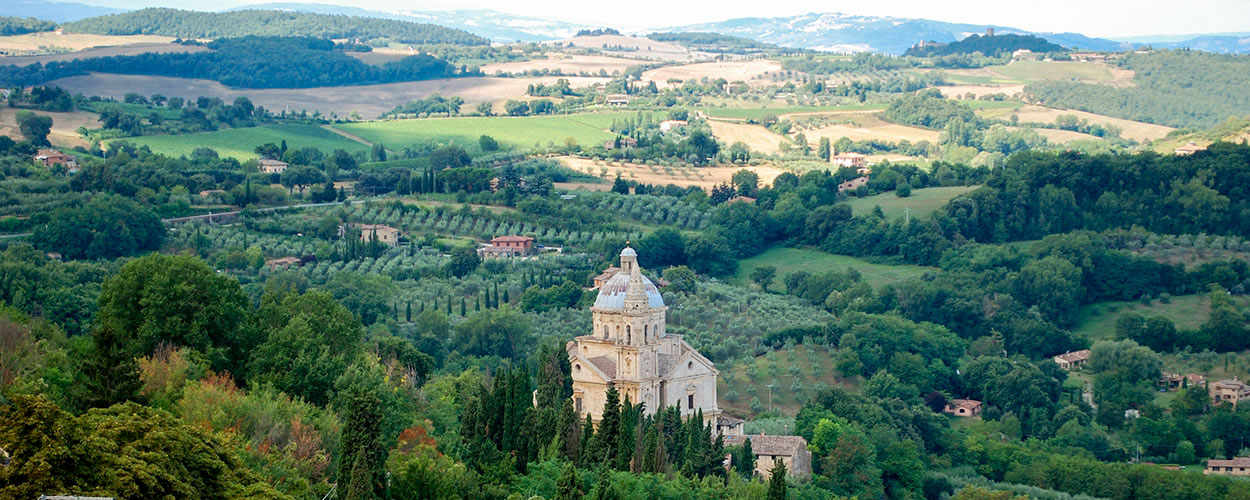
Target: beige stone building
[
  {"x": 384, "y": 234},
  {"x": 1228, "y": 391},
  {"x": 1236, "y": 467},
  {"x": 631, "y": 349},
  {"x": 791, "y": 450},
  {"x": 1072, "y": 360}
]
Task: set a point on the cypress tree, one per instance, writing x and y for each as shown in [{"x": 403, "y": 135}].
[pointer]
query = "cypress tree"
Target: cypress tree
[
  {"x": 651, "y": 452},
  {"x": 449, "y": 305},
  {"x": 568, "y": 487},
  {"x": 496, "y": 295},
  {"x": 604, "y": 446},
  {"x": 505, "y": 298},
  {"x": 408, "y": 312},
  {"x": 746, "y": 462},
  {"x": 603, "y": 486},
  {"x": 625, "y": 437},
  {"x": 111, "y": 370},
  {"x": 477, "y": 303},
  {"x": 585, "y": 444},
  {"x": 777, "y": 483},
  {"x": 463, "y": 309}
]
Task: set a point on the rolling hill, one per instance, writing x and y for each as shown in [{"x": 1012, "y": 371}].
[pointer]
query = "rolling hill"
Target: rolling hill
[{"x": 60, "y": 12}]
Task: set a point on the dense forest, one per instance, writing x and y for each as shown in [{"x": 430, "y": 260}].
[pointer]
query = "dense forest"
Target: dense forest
[
  {"x": 1176, "y": 88},
  {"x": 249, "y": 62},
  {"x": 994, "y": 46},
  {"x": 23, "y": 25},
  {"x": 716, "y": 42},
  {"x": 194, "y": 24}
]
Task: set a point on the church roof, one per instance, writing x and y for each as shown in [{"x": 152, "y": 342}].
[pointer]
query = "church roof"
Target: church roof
[
  {"x": 612, "y": 293},
  {"x": 605, "y": 365}
]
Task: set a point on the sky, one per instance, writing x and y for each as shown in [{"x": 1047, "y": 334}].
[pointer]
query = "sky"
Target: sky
[{"x": 1100, "y": 18}]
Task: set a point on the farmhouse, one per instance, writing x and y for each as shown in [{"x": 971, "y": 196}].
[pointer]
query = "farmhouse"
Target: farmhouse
[
  {"x": 1230, "y": 391},
  {"x": 963, "y": 408},
  {"x": 1188, "y": 149},
  {"x": 617, "y": 100},
  {"x": 629, "y": 348},
  {"x": 741, "y": 199},
  {"x": 1171, "y": 381},
  {"x": 508, "y": 246},
  {"x": 268, "y": 166},
  {"x": 1072, "y": 360},
  {"x": 791, "y": 450},
  {"x": 668, "y": 125},
  {"x": 852, "y": 184},
  {"x": 1235, "y": 467},
  {"x": 850, "y": 159},
  {"x": 51, "y": 157},
  {"x": 380, "y": 233},
  {"x": 284, "y": 262},
  {"x": 621, "y": 142}
]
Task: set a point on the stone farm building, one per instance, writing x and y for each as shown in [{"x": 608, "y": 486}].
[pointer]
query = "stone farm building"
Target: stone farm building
[
  {"x": 617, "y": 100},
  {"x": 1235, "y": 467},
  {"x": 852, "y": 184},
  {"x": 384, "y": 234},
  {"x": 963, "y": 408},
  {"x": 51, "y": 157},
  {"x": 1188, "y": 149},
  {"x": 791, "y": 450},
  {"x": 268, "y": 166},
  {"x": 630, "y": 349}
]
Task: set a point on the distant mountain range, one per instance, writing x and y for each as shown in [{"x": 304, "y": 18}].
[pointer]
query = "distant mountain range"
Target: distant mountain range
[{"x": 819, "y": 31}]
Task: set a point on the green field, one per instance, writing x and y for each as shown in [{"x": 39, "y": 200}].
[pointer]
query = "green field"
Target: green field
[
  {"x": 922, "y": 202},
  {"x": 1097, "y": 321},
  {"x": 789, "y": 260},
  {"x": 521, "y": 132},
  {"x": 241, "y": 142},
  {"x": 757, "y": 113}
]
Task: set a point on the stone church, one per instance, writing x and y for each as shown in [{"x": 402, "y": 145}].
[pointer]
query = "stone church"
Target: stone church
[{"x": 631, "y": 349}]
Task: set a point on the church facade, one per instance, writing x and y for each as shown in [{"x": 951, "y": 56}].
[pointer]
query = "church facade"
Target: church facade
[{"x": 630, "y": 349}]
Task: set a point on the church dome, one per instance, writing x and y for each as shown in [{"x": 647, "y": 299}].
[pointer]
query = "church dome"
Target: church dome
[{"x": 612, "y": 293}]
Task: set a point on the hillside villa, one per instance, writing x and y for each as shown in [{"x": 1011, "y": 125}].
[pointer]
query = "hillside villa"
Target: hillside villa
[
  {"x": 508, "y": 246},
  {"x": 668, "y": 125},
  {"x": 1234, "y": 467},
  {"x": 791, "y": 450},
  {"x": 741, "y": 199},
  {"x": 1228, "y": 391},
  {"x": 849, "y": 159},
  {"x": 381, "y": 233},
  {"x": 963, "y": 408},
  {"x": 268, "y": 166},
  {"x": 1188, "y": 149},
  {"x": 1073, "y": 360},
  {"x": 617, "y": 100}
]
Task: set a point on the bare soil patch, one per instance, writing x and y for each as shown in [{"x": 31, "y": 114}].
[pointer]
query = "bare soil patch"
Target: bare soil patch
[
  {"x": 704, "y": 177},
  {"x": 121, "y": 50},
  {"x": 565, "y": 63},
  {"x": 64, "y": 126},
  {"x": 747, "y": 71},
  {"x": 980, "y": 90},
  {"x": 756, "y": 137},
  {"x": 368, "y": 100},
  {"x": 1129, "y": 129},
  {"x": 74, "y": 41},
  {"x": 889, "y": 132}
]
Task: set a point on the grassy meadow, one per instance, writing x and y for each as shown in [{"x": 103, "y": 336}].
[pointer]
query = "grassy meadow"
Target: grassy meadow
[
  {"x": 241, "y": 142},
  {"x": 758, "y": 113},
  {"x": 922, "y": 202},
  {"x": 520, "y": 132},
  {"x": 788, "y": 260},
  {"x": 1097, "y": 321}
]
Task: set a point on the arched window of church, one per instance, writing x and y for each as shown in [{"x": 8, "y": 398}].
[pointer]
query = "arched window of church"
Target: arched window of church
[
  {"x": 629, "y": 335},
  {"x": 605, "y": 331},
  {"x": 646, "y": 332}
]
